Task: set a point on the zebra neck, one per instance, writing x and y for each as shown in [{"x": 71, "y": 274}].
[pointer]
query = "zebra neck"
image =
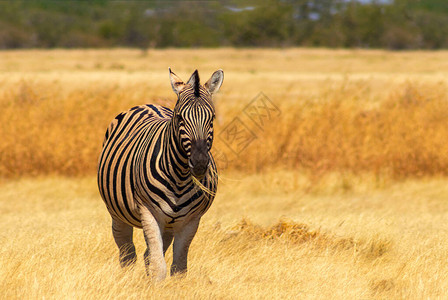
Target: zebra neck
[{"x": 175, "y": 159}]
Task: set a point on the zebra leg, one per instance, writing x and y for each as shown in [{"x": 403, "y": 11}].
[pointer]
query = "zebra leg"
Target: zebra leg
[
  {"x": 122, "y": 233},
  {"x": 182, "y": 241},
  {"x": 167, "y": 238},
  {"x": 154, "y": 259}
]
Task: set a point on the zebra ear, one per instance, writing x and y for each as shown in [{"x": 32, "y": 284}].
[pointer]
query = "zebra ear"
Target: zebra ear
[
  {"x": 214, "y": 83},
  {"x": 176, "y": 83}
]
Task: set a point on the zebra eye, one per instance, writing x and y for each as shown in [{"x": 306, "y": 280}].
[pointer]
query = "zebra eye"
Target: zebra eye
[{"x": 180, "y": 120}]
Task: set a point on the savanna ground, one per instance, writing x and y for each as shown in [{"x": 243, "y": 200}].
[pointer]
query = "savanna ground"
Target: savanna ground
[{"x": 340, "y": 193}]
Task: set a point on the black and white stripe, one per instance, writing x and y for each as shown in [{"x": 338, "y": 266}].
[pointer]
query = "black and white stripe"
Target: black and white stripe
[{"x": 156, "y": 168}]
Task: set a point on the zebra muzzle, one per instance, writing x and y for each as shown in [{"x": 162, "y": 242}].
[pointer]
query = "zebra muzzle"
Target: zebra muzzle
[
  {"x": 199, "y": 159},
  {"x": 199, "y": 169}
]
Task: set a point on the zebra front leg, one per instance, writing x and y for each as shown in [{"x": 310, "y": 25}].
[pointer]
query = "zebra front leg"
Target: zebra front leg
[
  {"x": 167, "y": 238},
  {"x": 122, "y": 233},
  {"x": 154, "y": 259},
  {"x": 182, "y": 241}
]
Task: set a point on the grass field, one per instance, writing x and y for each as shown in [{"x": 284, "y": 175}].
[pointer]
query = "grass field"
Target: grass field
[
  {"x": 339, "y": 110},
  {"x": 266, "y": 236},
  {"x": 342, "y": 193}
]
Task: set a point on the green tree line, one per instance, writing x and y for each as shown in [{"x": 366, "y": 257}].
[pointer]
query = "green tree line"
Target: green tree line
[{"x": 399, "y": 24}]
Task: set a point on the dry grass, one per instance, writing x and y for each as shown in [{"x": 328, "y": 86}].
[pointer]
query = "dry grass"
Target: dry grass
[
  {"x": 357, "y": 111},
  {"x": 310, "y": 209},
  {"x": 261, "y": 239}
]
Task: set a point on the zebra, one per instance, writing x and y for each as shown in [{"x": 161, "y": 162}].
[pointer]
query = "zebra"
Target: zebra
[{"x": 156, "y": 172}]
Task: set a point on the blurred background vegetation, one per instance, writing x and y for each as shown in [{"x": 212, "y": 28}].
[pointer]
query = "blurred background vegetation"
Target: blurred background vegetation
[{"x": 391, "y": 24}]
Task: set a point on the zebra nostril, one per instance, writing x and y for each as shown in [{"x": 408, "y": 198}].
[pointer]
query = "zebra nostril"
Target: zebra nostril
[{"x": 198, "y": 168}]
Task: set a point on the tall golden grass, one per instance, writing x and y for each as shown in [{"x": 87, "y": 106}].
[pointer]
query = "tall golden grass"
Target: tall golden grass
[
  {"x": 356, "y": 111},
  {"x": 305, "y": 211},
  {"x": 263, "y": 238}
]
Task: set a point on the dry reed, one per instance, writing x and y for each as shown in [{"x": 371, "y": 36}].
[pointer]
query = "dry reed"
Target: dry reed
[
  {"x": 402, "y": 134},
  {"x": 357, "y": 111}
]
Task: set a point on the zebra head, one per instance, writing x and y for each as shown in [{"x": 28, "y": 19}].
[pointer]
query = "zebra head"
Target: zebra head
[{"x": 193, "y": 118}]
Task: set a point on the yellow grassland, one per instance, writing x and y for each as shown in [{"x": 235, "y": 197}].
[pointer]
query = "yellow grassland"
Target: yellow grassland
[
  {"x": 265, "y": 237},
  {"x": 340, "y": 195},
  {"x": 340, "y": 110}
]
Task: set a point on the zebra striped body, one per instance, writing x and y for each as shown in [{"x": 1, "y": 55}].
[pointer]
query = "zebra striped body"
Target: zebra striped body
[
  {"x": 138, "y": 163},
  {"x": 156, "y": 172}
]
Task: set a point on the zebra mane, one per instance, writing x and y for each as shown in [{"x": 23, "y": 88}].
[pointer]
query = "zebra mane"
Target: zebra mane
[
  {"x": 196, "y": 84},
  {"x": 194, "y": 81}
]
